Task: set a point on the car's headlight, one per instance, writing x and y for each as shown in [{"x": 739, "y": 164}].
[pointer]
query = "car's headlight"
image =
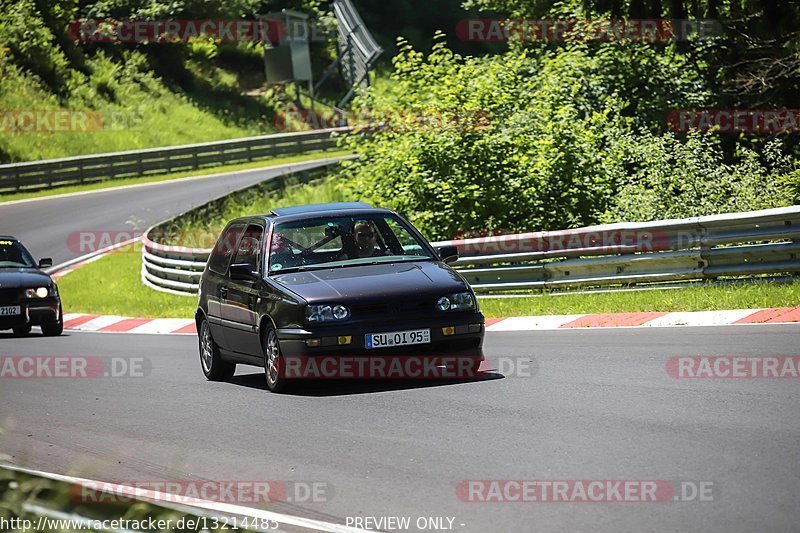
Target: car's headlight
[
  {"x": 326, "y": 313},
  {"x": 460, "y": 301},
  {"x": 38, "y": 292}
]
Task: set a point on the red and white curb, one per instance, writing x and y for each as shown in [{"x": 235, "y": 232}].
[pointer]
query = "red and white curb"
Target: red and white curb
[
  {"x": 186, "y": 326},
  {"x": 123, "y": 324},
  {"x": 776, "y": 315}
]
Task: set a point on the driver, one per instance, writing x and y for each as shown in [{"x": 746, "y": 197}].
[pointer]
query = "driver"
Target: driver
[{"x": 365, "y": 237}]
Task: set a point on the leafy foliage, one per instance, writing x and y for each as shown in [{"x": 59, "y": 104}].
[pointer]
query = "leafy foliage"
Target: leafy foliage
[{"x": 565, "y": 143}]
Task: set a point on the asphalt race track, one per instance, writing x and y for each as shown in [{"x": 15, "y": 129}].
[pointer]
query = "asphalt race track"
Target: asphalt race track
[
  {"x": 597, "y": 405},
  {"x": 47, "y": 227}
]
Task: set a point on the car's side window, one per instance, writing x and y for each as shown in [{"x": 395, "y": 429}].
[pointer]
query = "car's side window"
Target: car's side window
[
  {"x": 249, "y": 250},
  {"x": 405, "y": 238},
  {"x": 223, "y": 251}
]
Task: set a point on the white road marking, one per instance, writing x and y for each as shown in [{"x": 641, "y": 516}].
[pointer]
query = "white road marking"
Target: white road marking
[
  {"x": 699, "y": 318},
  {"x": 162, "y": 325},
  {"x": 99, "y": 322},
  {"x": 525, "y": 323}
]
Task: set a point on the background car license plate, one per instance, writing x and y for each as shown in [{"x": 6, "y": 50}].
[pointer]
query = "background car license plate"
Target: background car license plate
[
  {"x": 10, "y": 310},
  {"x": 398, "y": 338}
]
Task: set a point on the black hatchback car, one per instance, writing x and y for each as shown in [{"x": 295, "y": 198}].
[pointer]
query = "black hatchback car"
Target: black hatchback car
[
  {"x": 28, "y": 296},
  {"x": 331, "y": 280}
]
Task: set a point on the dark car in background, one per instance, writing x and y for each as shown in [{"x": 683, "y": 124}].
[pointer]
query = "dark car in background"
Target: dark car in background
[
  {"x": 28, "y": 296},
  {"x": 328, "y": 279}
]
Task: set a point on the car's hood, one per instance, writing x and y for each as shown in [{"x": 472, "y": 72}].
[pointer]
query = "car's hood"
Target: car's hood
[
  {"x": 14, "y": 278},
  {"x": 370, "y": 282}
]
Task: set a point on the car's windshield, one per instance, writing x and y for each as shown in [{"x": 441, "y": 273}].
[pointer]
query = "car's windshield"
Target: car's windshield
[
  {"x": 343, "y": 241},
  {"x": 14, "y": 255}
]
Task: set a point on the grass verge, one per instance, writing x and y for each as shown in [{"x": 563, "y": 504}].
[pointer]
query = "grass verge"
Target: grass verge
[
  {"x": 8, "y": 197},
  {"x": 752, "y": 295},
  {"x": 112, "y": 286},
  {"x": 97, "y": 288}
]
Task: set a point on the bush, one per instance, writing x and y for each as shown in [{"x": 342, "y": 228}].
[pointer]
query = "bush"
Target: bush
[
  {"x": 674, "y": 179},
  {"x": 537, "y": 149},
  {"x": 32, "y": 44},
  {"x": 558, "y": 143}
]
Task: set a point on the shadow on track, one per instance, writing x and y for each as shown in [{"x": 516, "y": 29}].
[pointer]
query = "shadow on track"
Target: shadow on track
[{"x": 342, "y": 387}]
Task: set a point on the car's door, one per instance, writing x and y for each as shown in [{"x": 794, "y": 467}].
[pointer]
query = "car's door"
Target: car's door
[
  {"x": 240, "y": 313},
  {"x": 214, "y": 284}
]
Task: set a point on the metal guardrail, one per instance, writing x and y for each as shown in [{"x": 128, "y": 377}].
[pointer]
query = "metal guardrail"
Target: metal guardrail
[
  {"x": 358, "y": 50},
  {"x": 89, "y": 168},
  {"x": 699, "y": 248}
]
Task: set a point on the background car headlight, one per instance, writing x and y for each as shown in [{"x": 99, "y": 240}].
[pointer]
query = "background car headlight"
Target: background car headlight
[
  {"x": 326, "y": 313},
  {"x": 460, "y": 301},
  {"x": 39, "y": 292}
]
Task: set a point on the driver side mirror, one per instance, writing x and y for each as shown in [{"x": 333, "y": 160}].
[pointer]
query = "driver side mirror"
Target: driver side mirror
[
  {"x": 448, "y": 254},
  {"x": 242, "y": 272},
  {"x": 45, "y": 262}
]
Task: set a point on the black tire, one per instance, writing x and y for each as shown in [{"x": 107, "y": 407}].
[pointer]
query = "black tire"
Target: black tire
[
  {"x": 54, "y": 329},
  {"x": 21, "y": 331},
  {"x": 274, "y": 364},
  {"x": 214, "y": 368}
]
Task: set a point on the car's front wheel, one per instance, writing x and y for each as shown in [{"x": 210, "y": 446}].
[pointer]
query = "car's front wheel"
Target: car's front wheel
[
  {"x": 274, "y": 363},
  {"x": 214, "y": 368},
  {"x": 54, "y": 329}
]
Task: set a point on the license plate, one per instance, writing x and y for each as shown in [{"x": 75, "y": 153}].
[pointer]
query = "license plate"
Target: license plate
[
  {"x": 398, "y": 338},
  {"x": 10, "y": 310}
]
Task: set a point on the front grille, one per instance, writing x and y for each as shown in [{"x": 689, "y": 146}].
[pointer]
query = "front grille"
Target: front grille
[
  {"x": 376, "y": 310},
  {"x": 10, "y": 296}
]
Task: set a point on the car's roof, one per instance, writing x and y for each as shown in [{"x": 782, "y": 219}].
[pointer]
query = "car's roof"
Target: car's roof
[
  {"x": 302, "y": 212},
  {"x": 316, "y": 208}
]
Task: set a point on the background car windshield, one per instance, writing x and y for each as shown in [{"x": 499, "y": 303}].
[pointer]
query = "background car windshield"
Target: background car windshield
[
  {"x": 343, "y": 241},
  {"x": 14, "y": 255}
]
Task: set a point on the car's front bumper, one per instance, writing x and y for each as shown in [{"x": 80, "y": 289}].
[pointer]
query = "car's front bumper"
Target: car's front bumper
[
  {"x": 466, "y": 339},
  {"x": 33, "y": 313}
]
